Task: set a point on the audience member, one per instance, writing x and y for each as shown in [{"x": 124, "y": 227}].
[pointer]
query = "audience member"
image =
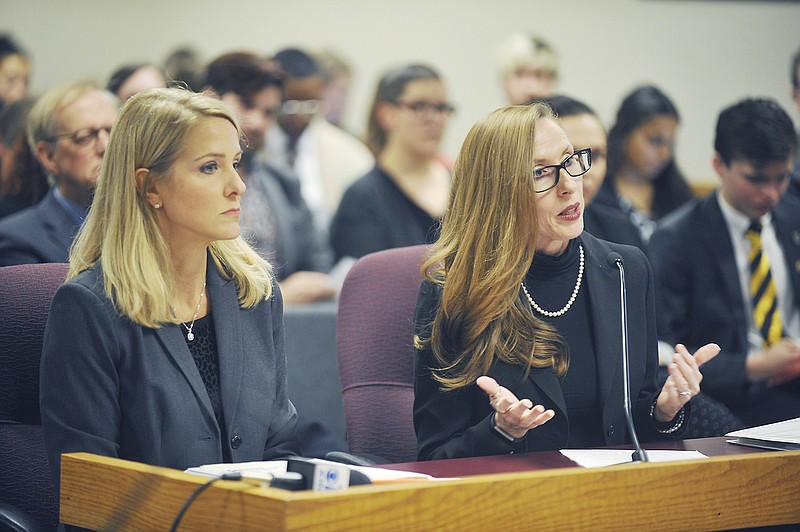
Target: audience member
[
  {"x": 130, "y": 79},
  {"x": 401, "y": 200},
  {"x": 68, "y": 130},
  {"x": 23, "y": 181},
  {"x": 513, "y": 236},
  {"x": 325, "y": 158},
  {"x": 528, "y": 68},
  {"x": 337, "y": 77},
  {"x": 643, "y": 179},
  {"x": 794, "y": 185},
  {"x": 184, "y": 68},
  {"x": 15, "y": 71},
  {"x": 584, "y": 130},
  {"x": 165, "y": 345},
  {"x": 275, "y": 217},
  {"x": 725, "y": 267}
]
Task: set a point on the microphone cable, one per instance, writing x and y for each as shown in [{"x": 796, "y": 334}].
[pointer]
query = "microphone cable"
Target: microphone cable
[{"x": 196, "y": 494}]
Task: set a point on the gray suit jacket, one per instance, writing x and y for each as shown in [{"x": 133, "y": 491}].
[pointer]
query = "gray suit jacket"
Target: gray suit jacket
[
  {"x": 112, "y": 387},
  {"x": 42, "y": 233},
  {"x": 457, "y": 424}
]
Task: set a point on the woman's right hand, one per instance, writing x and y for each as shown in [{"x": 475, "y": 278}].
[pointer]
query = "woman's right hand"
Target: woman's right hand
[{"x": 514, "y": 416}]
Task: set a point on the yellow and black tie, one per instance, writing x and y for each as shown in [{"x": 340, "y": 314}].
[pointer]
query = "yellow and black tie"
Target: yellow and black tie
[{"x": 763, "y": 293}]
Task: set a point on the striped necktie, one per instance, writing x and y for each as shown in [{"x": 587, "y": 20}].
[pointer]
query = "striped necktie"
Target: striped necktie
[{"x": 763, "y": 293}]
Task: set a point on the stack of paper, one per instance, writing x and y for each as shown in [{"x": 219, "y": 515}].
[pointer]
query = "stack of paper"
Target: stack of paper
[{"x": 781, "y": 436}]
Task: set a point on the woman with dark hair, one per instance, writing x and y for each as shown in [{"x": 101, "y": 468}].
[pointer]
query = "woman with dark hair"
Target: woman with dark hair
[
  {"x": 130, "y": 79},
  {"x": 516, "y": 348},
  {"x": 400, "y": 201},
  {"x": 643, "y": 179},
  {"x": 585, "y": 130},
  {"x": 23, "y": 181},
  {"x": 15, "y": 71}
]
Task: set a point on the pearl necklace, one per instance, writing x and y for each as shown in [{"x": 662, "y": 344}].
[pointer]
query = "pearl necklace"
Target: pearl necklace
[
  {"x": 189, "y": 333},
  {"x": 561, "y": 312}
]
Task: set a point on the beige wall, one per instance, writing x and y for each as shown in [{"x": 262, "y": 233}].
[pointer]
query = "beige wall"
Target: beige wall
[{"x": 704, "y": 54}]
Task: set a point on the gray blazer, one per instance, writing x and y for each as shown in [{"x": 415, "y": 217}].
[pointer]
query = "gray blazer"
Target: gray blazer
[{"x": 112, "y": 387}]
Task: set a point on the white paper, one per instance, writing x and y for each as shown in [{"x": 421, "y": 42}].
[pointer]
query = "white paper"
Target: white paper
[
  {"x": 265, "y": 470},
  {"x": 784, "y": 431},
  {"x": 607, "y": 457}
]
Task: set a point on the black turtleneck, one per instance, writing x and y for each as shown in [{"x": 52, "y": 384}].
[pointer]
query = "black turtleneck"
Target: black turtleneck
[{"x": 550, "y": 282}]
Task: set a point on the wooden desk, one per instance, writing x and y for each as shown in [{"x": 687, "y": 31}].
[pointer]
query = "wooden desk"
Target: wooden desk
[{"x": 739, "y": 489}]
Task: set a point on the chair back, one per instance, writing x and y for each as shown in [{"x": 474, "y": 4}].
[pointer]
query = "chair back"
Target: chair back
[
  {"x": 375, "y": 347},
  {"x": 26, "y": 292}
]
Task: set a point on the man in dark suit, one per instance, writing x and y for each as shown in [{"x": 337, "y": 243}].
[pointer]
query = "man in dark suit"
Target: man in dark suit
[
  {"x": 68, "y": 131},
  {"x": 794, "y": 185},
  {"x": 704, "y": 255}
]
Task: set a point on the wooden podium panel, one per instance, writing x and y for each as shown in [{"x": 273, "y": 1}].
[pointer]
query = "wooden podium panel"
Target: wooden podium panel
[{"x": 715, "y": 493}]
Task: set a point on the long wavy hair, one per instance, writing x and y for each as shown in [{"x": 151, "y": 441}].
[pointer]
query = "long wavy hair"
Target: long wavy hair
[
  {"x": 121, "y": 230},
  {"x": 670, "y": 188},
  {"x": 488, "y": 238}
]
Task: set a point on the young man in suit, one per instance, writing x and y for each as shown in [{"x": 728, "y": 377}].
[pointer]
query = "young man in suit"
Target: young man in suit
[
  {"x": 713, "y": 283},
  {"x": 68, "y": 130}
]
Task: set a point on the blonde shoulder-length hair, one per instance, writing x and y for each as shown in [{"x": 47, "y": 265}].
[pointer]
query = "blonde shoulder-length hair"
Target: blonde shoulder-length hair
[
  {"x": 121, "y": 230},
  {"x": 487, "y": 241}
]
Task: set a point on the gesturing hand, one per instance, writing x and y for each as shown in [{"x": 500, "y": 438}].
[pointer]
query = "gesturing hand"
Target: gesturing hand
[
  {"x": 514, "y": 416},
  {"x": 684, "y": 379}
]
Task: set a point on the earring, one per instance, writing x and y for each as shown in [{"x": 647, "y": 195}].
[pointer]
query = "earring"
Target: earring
[{"x": 157, "y": 206}]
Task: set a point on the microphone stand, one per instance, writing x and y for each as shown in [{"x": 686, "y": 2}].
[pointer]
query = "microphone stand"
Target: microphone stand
[{"x": 639, "y": 455}]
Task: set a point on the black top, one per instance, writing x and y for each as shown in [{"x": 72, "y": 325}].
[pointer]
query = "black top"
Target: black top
[
  {"x": 204, "y": 352},
  {"x": 375, "y": 214},
  {"x": 550, "y": 282}
]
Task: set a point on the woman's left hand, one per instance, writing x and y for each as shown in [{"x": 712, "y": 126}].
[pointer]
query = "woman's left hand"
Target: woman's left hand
[{"x": 684, "y": 379}]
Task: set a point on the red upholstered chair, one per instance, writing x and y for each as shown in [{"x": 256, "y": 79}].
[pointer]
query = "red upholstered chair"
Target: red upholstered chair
[
  {"x": 375, "y": 348},
  {"x": 27, "y": 498}
]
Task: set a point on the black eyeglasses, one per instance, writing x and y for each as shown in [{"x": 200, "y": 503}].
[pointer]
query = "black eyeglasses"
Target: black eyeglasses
[
  {"x": 426, "y": 109},
  {"x": 83, "y": 137},
  {"x": 577, "y": 164}
]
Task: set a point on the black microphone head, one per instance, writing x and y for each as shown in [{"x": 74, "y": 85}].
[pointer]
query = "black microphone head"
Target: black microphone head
[
  {"x": 614, "y": 258},
  {"x": 357, "y": 478}
]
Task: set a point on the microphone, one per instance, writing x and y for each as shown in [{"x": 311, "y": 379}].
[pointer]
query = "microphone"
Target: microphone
[
  {"x": 304, "y": 474},
  {"x": 615, "y": 260}
]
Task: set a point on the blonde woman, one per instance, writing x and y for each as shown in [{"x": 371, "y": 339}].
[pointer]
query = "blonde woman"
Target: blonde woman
[
  {"x": 165, "y": 345},
  {"x": 518, "y": 340}
]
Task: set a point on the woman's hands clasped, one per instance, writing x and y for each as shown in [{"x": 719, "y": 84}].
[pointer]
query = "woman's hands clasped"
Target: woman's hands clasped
[
  {"x": 684, "y": 379},
  {"x": 514, "y": 416}
]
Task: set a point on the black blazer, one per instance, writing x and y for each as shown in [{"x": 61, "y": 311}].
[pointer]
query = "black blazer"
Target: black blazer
[
  {"x": 457, "y": 424},
  {"x": 42, "y": 233},
  {"x": 112, "y": 387},
  {"x": 611, "y": 224},
  {"x": 699, "y": 296}
]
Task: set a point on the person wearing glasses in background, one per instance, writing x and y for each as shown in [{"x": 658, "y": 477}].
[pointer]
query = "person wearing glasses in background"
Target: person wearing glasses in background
[
  {"x": 401, "y": 200},
  {"x": 68, "y": 131},
  {"x": 518, "y": 347},
  {"x": 327, "y": 159}
]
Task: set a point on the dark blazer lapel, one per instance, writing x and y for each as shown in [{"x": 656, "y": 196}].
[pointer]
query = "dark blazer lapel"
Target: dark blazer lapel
[
  {"x": 545, "y": 379},
  {"x": 227, "y": 326},
  {"x": 602, "y": 282},
  {"x": 715, "y": 233},
  {"x": 60, "y": 227},
  {"x": 786, "y": 218},
  {"x": 174, "y": 343}
]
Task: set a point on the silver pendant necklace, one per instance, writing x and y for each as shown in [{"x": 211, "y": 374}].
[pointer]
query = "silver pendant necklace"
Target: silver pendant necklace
[
  {"x": 190, "y": 327},
  {"x": 566, "y": 307}
]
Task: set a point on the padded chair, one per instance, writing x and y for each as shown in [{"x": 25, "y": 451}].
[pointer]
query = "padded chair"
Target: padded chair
[
  {"x": 376, "y": 360},
  {"x": 27, "y": 497}
]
